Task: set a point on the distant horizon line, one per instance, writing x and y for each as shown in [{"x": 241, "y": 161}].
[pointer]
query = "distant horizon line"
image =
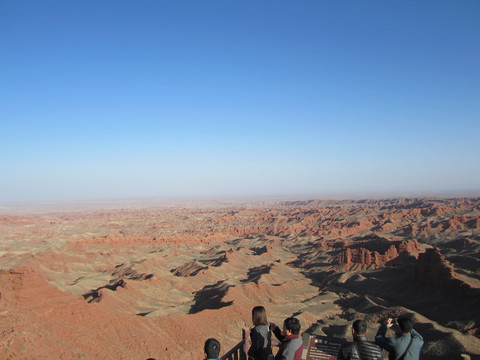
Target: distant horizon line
[{"x": 34, "y": 206}]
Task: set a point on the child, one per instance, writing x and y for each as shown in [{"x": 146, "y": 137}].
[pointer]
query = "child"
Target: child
[{"x": 212, "y": 349}]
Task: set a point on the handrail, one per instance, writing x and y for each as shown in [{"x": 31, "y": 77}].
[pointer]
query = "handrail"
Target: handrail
[{"x": 236, "y": 353}]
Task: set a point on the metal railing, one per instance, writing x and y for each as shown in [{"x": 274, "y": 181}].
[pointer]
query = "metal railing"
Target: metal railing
[{"x": 236, "y": 353}]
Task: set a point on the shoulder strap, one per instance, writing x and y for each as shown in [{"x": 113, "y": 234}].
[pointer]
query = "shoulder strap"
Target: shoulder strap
[
  {"x": 408, "y": 347},
  {"x": 358, "y": 351},
  {"x": 268, "y": 339}
]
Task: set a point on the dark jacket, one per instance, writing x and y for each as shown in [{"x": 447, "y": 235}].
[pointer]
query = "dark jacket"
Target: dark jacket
[
  {"x": 261, "y": 342},
  {"x": 396, "y": 346},
  {"x": 368, "y": 350},
  {"x": 291, "y": 347}
]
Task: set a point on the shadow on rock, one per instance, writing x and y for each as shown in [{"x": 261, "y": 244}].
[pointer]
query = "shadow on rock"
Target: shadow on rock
[
  {"x": 254, "y": 274},
  {"x": 96, "y": 295},
  {"x": 210, "y": 297}
]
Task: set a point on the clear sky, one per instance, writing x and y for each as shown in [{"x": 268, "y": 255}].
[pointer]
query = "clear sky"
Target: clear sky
[{"x": 132, "y": 99}]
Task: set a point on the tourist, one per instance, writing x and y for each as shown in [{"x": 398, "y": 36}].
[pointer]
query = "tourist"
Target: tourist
[
  {"x": 291, "y": 346},
  {"x": 360, "y": 348},
  {"x": 258, "y": 340},
  {"x": 212, "y": 349},
  {"x": 406, "y": 345}
]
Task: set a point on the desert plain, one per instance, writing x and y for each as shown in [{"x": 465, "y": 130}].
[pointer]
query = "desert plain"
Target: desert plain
[{"x": 140, "y": 282}]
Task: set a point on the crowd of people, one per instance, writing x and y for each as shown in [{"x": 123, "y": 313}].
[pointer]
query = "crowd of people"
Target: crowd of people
[{"x": 258, "y": 344}]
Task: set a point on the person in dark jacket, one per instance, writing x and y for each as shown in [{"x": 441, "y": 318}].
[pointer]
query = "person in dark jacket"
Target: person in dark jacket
[
  {"x": 291, "y": 346},
  {"x": 406, "y": 345},
  {"x": 360, "y": 348},
  {"x": 258, "y": 341}
]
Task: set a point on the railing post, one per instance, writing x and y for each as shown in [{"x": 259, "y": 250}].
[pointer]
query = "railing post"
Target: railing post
[
  {"x": 243, "y": 356},
  {"x": 242, "y": 353}
]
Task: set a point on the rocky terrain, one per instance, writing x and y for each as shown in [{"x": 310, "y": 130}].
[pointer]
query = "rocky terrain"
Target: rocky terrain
[{"x": 155, "y": 282}]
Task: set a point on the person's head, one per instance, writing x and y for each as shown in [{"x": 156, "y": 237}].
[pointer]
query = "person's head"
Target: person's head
[
  {"x": 405, "y": 323},
  {"x": 359, "y": 327},
  {"x": 259, "y": 316},
  {"x": 212, "y": 348},
  {"x": 291, "y": 325}
]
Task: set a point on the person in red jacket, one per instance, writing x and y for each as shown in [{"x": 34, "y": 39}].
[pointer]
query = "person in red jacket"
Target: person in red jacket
[{"x": 291, "y": 346}]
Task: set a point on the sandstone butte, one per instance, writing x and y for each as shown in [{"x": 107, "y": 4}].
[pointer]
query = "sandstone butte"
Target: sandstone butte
[{"x": 156, "y": 281}]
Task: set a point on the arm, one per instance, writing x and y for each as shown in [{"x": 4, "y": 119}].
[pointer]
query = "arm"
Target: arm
[
  {"x": 383, "y": 341},
  {"x": 278, "y": 333},
  {"x": 246, "y": 341}
]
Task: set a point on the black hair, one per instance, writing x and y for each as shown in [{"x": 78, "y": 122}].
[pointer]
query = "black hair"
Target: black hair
[
  {"x": 360, "y": 327},
  {"x": 292, "y": 324},
  {"x": 212, "y": 348},
  {"x": 405, "y": 323}
]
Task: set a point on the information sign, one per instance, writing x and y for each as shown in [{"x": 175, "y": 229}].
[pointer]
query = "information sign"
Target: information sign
[{"x": 323, "y": 347}]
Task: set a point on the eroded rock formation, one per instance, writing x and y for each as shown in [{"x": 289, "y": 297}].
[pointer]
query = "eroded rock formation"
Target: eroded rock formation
[
  {"x": 361, "y": 255},
  {"x": 433, "y": 270}
]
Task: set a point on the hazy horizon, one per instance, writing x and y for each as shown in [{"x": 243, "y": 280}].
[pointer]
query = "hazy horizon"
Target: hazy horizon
[
  {"x": 81, "y": 205},
  {"x": 121, "y": 100}
]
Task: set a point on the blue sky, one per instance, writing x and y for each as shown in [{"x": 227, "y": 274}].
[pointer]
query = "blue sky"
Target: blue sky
[{"x": 133, "y": 99}]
